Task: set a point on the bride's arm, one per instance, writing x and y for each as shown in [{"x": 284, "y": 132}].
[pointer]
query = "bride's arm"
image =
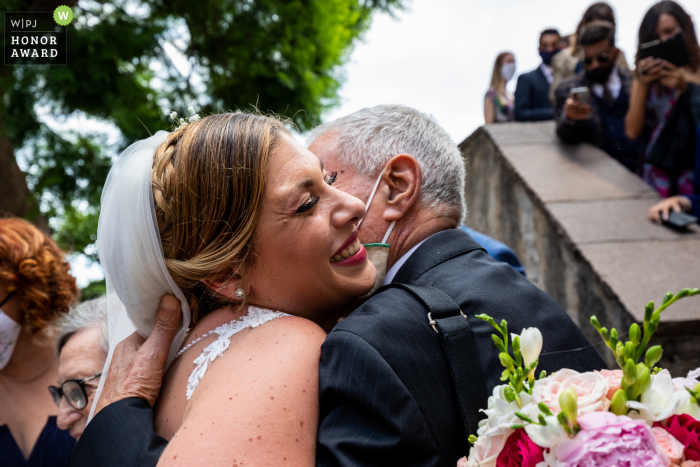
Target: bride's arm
[{"x": 257, "y": 404}]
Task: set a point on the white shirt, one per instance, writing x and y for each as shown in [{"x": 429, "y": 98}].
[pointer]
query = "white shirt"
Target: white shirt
[
  {"x": 547, "y": 72},
  {"x": 614, "y": 85},
  {"x": 391, "y": 273}
]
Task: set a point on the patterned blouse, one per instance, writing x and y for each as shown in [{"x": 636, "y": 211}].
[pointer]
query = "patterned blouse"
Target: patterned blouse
[
  {"x": 502, "y": 106},
  {"x": 659, "y": 104}
]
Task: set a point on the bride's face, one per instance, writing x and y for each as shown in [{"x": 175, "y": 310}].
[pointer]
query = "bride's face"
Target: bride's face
[{"x": 307, "y": 259}]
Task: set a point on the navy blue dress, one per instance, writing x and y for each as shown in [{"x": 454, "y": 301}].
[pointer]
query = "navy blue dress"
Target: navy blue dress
[{"x": 52, "y": 449}]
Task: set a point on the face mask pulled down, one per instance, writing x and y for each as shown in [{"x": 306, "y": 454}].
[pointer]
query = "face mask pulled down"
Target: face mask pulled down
[
  {"x": 377, "y": 253},
  {"x": 9, "y": 332}
]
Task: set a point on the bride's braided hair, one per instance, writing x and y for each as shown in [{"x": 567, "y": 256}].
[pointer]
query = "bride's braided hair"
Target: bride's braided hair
[{"x": 208, "y": 186}]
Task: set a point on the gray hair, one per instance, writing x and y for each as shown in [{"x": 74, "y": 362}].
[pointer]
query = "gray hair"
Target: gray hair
[
  {"x": 88, "y": 314},
  {"x": 369, "y": 138}
]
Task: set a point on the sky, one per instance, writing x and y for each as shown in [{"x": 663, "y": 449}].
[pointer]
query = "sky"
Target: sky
[{"x": 437, "y": 56}]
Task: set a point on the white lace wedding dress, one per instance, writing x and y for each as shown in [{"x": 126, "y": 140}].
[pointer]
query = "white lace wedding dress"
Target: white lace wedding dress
[{"x": 254, "y": 318}]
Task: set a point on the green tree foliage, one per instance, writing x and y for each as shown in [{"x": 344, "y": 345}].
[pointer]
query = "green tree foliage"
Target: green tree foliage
[{"x": 282, "y": 56}]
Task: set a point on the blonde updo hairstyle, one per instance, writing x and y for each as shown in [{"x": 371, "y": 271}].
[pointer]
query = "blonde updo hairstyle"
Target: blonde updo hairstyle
[{"x": 208, "y": 184}]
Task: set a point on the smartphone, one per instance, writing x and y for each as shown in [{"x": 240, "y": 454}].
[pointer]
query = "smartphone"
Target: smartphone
[
  {"x": 679, "y": 220},
  {"x": 582, "y": 95},
  {"x": 673, "y": 50}
]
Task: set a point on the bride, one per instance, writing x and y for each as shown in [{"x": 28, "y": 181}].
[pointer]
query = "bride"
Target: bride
[{"x": 230, "y": 214}]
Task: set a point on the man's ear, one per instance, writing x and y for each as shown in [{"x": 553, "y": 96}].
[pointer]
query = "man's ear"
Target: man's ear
[{"x": 403, "y": 176}]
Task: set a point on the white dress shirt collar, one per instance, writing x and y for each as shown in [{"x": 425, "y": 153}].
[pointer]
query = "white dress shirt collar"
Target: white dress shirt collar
[
  {"x": 614, "y": 85},
  {"x": 391, "y": 273},
  {"x": 547, "y": 72}
]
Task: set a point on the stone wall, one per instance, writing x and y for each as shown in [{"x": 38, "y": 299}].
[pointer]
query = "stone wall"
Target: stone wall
[{"x": 577, "y": 219}]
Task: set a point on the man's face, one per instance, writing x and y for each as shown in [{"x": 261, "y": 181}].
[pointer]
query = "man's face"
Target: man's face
[
  {"x": 550, "y": 42},
  {"x": 353, "y": 183},
  {"x": 599, "y": 55},
  {"x": 599, "y": 60}
]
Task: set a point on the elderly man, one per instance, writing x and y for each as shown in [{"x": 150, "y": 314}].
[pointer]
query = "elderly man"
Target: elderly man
[{"x": 387, "y": 392}]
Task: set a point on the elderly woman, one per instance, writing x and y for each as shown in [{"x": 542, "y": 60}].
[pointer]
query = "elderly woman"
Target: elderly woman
[
  {"x": 36, "y": 288},
  {"x": 82, "y": 347}
]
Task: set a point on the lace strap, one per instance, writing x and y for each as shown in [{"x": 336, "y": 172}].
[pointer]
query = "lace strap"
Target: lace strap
[{"x": 254, "y": 318}]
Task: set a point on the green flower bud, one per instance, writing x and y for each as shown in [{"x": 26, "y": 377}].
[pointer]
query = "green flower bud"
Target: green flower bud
[
  {"x": 472, "y": 439},
  {"x": 643, "y": 380},
  {"x": 543, "y": 374},
  {"x": 544, "y": 409},
  {"x": 506, "y": 361},
  {"x": 619, "y": 403},
  {"x": 635, "y": 334},
  {"x": 498, "y": 342},
  {"x": 619, "y": 350},
  {"x": 568, "y": 401},
  {"x": 629, "y": 350},
  {"x": 630, "y": 372},
  {"x": 653, "y": 355},
  {"x": 613, "y": 337},
  {"x": 667, "y": 297},
  {"x": 516, "y": 344}
]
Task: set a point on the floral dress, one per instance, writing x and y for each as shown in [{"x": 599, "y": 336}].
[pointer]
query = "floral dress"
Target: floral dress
[
  {"x": 659, "y": 105},
  {"x": 502, "y": 106}
]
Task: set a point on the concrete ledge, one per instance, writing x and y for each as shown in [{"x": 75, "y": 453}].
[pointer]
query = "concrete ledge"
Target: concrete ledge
[{"x": 577, "y": 219}]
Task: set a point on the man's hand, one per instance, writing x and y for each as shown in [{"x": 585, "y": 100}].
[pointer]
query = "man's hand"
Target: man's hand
[
  {"x": 574, "y": 110},
  {"x": 138, "y": 364},
  {"x": 661, "y": 210}
]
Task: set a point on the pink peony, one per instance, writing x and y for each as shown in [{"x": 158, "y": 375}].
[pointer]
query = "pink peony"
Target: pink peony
[
  {"x": 614, "y": 378},
  {"x": 519, "y": 451},
  {"x": 668, "y": 444},
  {"x": 608, "y": 439},
  {"x": 687, "y": 431},
  {"x": 462, "y": 462},
  {"x": 590, "y": 388}
]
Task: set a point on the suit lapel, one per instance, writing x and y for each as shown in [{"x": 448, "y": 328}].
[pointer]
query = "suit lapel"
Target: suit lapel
[{"x": 435, "y": 250}]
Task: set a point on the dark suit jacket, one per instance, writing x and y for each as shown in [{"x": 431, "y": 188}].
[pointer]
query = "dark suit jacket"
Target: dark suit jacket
[
  {"x": 386, "y": 393},
  {"x": 387, "y": 397},
  {"x": 532, "y": 97},
  {"x": 606, "y": 127}
]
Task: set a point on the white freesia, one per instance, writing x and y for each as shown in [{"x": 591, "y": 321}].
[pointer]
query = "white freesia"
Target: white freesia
[
  {"x": 659, "y": 401},
  {"x": 530, "y": 345},
  {"x": 550, "y": 435},
  {"x": 501, "y": 414}
]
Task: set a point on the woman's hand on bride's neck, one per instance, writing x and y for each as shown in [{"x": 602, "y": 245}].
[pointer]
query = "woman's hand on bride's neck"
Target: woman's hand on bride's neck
[{"x": 307, "y": 260}]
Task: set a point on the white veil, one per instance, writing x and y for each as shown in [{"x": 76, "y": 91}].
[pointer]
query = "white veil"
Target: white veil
[{"x": 131, "y": 254}]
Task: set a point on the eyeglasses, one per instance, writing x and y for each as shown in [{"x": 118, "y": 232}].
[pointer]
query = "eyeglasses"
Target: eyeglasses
[
  {"x": 602, "y": 58},
  {"x": 74, "y": 390}
]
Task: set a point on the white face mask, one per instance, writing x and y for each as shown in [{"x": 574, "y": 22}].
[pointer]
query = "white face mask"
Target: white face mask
[
  {"x": 507, "y": 71},
  {"x": 9, "y": 331},
  {"x": 377, "y": 253}
]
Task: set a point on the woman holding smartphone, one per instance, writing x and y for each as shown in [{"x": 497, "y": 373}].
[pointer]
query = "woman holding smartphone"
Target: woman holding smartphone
[{"x": 661, "y": 109}]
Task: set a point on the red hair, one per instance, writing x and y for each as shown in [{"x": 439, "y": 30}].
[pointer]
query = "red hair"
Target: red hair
[{"x": 35, "y": 269}]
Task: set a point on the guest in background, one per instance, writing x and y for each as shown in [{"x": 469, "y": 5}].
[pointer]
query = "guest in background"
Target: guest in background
[
  {"x": 532, "y": 91},
  {"x": 498, "y": 103},
  {"x": 665, "y": 108},
  {"x": 602, "y": 120},
  {"x": 568, "y": 62},
  {"x": 36, "y": 288},
  {"x": 81, "y": 345}
]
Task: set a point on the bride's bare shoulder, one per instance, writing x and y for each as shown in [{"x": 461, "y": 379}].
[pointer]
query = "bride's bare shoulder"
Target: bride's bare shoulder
[{"x": 262, "y": 393}]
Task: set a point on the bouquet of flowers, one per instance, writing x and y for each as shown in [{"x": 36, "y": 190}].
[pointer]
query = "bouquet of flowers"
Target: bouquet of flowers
[{"x": 635, "y": 416}]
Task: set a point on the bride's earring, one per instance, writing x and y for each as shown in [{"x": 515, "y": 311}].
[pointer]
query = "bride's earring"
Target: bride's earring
[{"x": 239, "y": 293}]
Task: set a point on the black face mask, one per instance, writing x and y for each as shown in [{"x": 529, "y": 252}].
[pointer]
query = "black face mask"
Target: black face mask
[{"x": 600, "y": 75}]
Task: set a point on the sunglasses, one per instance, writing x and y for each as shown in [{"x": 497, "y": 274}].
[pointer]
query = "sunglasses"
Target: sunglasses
[
  {"x": 601, "y": 58},
  {"x": 74, "y": 390}
]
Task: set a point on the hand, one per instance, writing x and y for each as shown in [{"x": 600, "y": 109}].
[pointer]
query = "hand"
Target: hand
[
  {"x": 673, "y": 76},
  {"x": 574, "y": 110},
  {"x": 649, "y": 69},
  {"x": 661, "y": 210},
  {"x": 138, "y": 364}
]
